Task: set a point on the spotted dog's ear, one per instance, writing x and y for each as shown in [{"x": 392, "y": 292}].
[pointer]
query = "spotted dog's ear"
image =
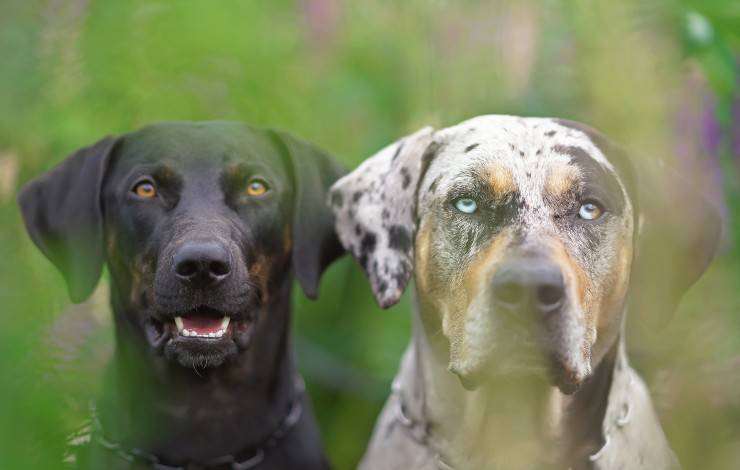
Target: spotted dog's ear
[
  {"x": 315, "y": 244},
  {"x": 63, "y": 215},
  {"x": 678, "y": 236},
  {"x": 677, "y": 229},
  {"x": 375, "y": 207}
]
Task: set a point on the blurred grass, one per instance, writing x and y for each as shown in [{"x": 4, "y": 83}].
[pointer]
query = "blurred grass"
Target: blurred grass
[{"x": 352, "y": 77}]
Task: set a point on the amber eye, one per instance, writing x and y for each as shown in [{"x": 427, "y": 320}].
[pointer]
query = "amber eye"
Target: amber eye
[
  {"x": 145, "y": 190},
  {"x": 256, "y": 187}
]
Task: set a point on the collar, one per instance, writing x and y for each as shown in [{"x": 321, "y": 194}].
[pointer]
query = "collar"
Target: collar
[
  {"x": 629, "y": 420},
  {"x": 248, "y": 458}
]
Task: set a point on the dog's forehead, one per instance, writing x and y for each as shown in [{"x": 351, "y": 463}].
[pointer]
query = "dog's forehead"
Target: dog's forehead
[
  {"x": 526, "y": 148},
  {"x": 183, "y": 142}
]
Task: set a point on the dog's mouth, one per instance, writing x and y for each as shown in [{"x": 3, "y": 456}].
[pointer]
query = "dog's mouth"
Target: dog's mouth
[{"x": 203, "y": 326}]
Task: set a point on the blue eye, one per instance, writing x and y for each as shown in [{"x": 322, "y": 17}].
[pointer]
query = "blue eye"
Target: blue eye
[
  {"x": 466, "y": 205},
  {"x": 590, "y": 211}
]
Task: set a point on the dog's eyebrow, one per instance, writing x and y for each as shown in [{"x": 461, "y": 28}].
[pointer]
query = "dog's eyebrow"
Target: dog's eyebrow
[
  {"x": 165, "y": 170},
  {"x": 499, "y": 178},
  {"x": 561, "y": 179},
  {"x": 594, "y": 177}
]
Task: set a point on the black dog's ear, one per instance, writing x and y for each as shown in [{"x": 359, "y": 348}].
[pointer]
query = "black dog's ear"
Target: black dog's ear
[
  {"x": 677, "y": 230},
  {"x": 375, "y": 207},
  {"x": 62, "y": 213},
  {"x": 315, "y": 244}
]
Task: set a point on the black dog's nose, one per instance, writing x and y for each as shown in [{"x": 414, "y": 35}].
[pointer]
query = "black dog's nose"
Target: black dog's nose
[
  {"x": 202, "y": 263},
  {"x": 534, "y": 284}
]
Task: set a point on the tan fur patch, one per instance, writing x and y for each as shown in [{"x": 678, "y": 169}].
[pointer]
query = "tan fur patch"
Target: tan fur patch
[
  {"x": 618, "y": 283},
  {"x": 460, "y": 297},
  {"x": 501, "y": 179},
  {"x": 561, "y": 179},
  {"x": 421, "y": 259},
  {"x": 260, "y": 271},
  {"x": 574, "y": 273},
  {"x": 481, "y": 269}
]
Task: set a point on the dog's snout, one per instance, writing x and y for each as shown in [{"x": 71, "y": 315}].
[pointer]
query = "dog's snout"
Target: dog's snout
[
  {"x": 202, "y": 263},
  {"x": 532, "y": 284}
]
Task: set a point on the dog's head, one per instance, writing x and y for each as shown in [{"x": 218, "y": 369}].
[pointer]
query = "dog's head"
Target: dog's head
[
  {"x": 521, "y": 233},
  {"x": 200, "y": 225}
]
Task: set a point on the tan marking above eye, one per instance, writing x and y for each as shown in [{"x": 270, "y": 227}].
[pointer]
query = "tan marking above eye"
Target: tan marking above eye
[
  {"x": 145, "y": 189},
  {"x": 561, "y": 179},
  {"x": 256, "y": 187},
  {"x": 500, "y": 179}
]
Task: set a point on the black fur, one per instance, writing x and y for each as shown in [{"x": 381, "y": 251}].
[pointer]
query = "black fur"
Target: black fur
[{"x": 190, "y": 400}]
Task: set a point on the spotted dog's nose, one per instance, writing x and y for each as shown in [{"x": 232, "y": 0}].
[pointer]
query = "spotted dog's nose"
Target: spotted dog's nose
[
  {"x": 534, "y": 284},
  {"x": 202, "y": 263}
]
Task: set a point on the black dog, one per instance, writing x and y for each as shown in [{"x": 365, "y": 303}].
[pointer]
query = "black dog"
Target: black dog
[{"x": 202, "y": 226}]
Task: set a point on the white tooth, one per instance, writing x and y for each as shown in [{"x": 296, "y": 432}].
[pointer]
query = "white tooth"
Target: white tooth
[
  {"x": 225, "y": 323},
  {"x": 211, "y": 335},
  {"x": 189, "y": 333},
  {"x": 178, "y": 324}
]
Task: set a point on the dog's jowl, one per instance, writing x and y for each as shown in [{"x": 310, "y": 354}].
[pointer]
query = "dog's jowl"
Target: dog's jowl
[
  {"x": 202, "y": 227},
  {"x": 528, "y": 240}
]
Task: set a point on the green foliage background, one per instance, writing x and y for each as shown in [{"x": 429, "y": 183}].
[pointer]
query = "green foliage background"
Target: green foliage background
[{"x": 352, "y": 77}]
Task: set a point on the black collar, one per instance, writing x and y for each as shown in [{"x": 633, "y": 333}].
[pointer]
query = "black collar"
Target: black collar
[{"x": 248, "y": 458}]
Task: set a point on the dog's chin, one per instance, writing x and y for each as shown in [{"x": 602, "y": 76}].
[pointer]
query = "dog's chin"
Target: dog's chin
[
  {"x": 566, "y": 377},
  {"x": 201, "y": 338},
  {"x": 520, "y": 365}
]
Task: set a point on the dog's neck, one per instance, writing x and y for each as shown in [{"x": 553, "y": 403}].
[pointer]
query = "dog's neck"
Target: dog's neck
[
  {"x": 160, "y": 407},
  {"x": 508, "y": 420}
]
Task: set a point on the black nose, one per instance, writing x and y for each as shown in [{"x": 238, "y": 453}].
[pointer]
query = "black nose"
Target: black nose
[
  {"x": 202, "y": 263},
  {"x": 529, "y": 284}
]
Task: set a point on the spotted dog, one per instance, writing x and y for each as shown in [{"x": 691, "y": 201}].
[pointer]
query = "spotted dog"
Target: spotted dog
[
  {"x": 528, "y": 239},
  {"x": 202, "y": 226}
]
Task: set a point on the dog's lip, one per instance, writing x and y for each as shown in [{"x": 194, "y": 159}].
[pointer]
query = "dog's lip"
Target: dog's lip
[{"x": 197, "y": 325}]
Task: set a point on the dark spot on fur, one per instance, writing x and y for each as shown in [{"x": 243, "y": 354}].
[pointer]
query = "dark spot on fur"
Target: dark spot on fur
[
  {"x": 356, "y": 196},
  {"x": 529, "y": 174},
  {"x": 406, "y": 177},
  {"x": 433, "y": 186},
  {"x": 358, "y": 230},
  {"x": 399, "y": 238},
  {"x": 367, "y": 245},
  {"x": 401, "y": 276},
  {"x": 538, "y": 152},
  {"x": 385, "y": 214},
  {"x": 521, "y": 153},
  {"x": 336, "y": 199},
  {"x": 512, "y": 146},
  {"x": 398, "y": 151},
  {"x": 470, "y": 147},
  {"x": 382, "y": 286},
  {"x": 550, "y": 133}
]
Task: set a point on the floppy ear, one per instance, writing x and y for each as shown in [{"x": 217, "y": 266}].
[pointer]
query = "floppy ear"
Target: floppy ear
[
  {"x": 375, "y": 207},
  {"x": 62, "y": 213},
  {"x": 678, "y": 236},
  {"x": 315, "y": 244}
]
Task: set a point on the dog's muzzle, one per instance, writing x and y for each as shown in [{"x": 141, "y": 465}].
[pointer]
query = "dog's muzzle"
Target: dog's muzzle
[
  {"x": 535, "y": 327},
  {"x": 205, "y": 303}
]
